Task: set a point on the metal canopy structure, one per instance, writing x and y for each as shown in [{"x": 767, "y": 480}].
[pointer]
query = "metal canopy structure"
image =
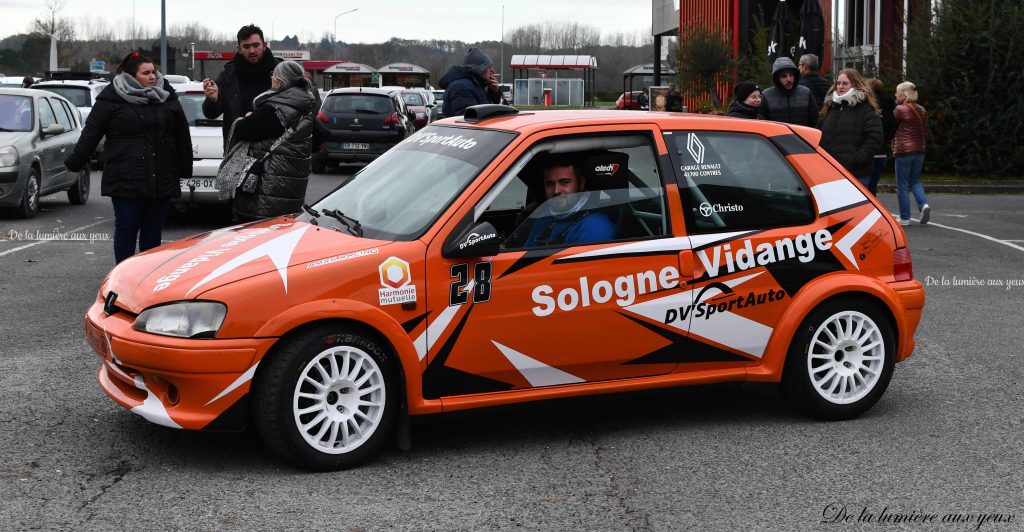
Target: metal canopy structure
[
  {"x": 523, "y": 64},
  {"x": 403, "y": 74},
  {"x": 349, "y": 75},
  {"x": 644, "y": 71}
]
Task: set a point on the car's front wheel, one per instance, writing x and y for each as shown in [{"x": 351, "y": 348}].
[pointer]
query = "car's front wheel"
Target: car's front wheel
[
  {"x": 327, "y": 398},
  {"x": 30, "y": 196},
  {"x": 78, "y": 194},
  {"x": 841, "y": 359}
]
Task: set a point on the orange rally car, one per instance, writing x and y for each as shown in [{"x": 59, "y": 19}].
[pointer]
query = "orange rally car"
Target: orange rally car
[{"x": 506, "y": 257}]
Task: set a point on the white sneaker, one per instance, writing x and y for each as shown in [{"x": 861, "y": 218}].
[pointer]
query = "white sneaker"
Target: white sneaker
[
  {"x": 926, "y": 213},
  {"x": 904, "y": 222}
]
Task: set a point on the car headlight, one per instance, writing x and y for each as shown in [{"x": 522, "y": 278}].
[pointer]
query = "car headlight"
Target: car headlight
[
  {"x": 186, "y": 319},
  {"x": 8, "y": 156}
]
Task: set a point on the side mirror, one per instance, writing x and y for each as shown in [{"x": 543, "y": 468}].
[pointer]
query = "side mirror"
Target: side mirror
[
  {"x": 53, "y": 129},
  {"x": 480, "y": 240}
]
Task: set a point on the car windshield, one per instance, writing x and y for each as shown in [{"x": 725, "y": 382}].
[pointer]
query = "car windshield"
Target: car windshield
[
  {"x": 15, "y": 113},
  {"x": 359, "y": 103},
  {"x": 400, "y": 194},
  {"x": 192, "y": 104},
  {"x": 78, "y": 96},
  {"x": 412, "y": 98}
]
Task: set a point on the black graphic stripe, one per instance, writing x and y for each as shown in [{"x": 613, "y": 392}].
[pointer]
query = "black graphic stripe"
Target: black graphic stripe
[
  {"x": 626, "y": 254},
  {"x": 682, "y": 349},
  {"x": 791, "y": 144},
  {"x": 845, "y": 207},
  {"x": 528, "y": 259},
  {"x": 411, "y": 325},
  {"x": 440, "y": 380}
]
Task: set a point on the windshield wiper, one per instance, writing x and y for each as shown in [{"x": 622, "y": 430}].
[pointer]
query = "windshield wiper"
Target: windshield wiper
[
  {"x": 351, "y": 224},
  {"x": 5, "y": 129},
  {"x": 312, "y": 212}
]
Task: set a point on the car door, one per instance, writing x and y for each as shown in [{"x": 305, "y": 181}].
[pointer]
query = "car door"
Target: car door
[
  {"x": 48, "y": 147},
  {"x": 751, "y": 224},
  {"x": 562, "y": 313},
  {"x": 65, "y": 142}
]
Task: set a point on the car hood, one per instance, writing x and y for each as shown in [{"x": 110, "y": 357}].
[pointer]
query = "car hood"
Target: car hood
[
  {"x": 187, "y": 268},
  {"x": 9, "y": 138}
]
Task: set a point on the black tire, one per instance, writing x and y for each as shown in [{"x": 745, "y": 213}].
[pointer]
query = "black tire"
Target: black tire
[
  {"x": 843, "y": 364},
  {"x": 29, "y": 205},
  {"x": 78, "y": 194},
  {"x": 282, "y": 378},
  {"x": 319, "y": 165}
]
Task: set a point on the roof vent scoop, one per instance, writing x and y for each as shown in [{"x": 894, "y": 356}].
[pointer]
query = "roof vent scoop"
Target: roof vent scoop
[{"x": 479, "y": 113}]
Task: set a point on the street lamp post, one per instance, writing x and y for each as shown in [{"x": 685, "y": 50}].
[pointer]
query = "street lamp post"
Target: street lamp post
[
  {"x": 503, "y": 43},
  {"x": 335, "y": 44}
]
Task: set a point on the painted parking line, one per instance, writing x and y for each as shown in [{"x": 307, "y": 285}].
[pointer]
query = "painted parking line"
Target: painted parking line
[
  {"x": 43, "y": 241},
  {"x": 1009, "y": 243}
]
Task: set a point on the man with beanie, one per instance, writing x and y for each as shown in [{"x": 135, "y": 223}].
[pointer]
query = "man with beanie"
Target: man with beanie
[
  {"x": 747, "y": 101},
  {"x": 786, "y": 101},
  {"x": 244, "y": 78},
  {"x": 473, "y": 83}
]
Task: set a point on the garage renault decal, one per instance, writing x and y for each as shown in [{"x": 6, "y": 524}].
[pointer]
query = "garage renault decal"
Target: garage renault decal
[{"x": 279, "y": 251}]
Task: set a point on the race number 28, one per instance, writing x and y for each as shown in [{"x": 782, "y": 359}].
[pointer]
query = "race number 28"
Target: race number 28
[{"x": 481, "y": 285}]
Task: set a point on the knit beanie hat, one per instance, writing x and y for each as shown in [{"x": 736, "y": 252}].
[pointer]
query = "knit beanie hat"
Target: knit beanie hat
[
  {"x": 289, "y": 72},
  {"x": 477, "y": 61},
  {"x": 743, "y": 89}
]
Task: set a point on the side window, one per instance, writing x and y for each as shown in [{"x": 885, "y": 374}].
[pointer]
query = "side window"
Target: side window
[
  {"x": 62, "y": 114},
  {"x": 736, "y": 181},
  {"x": 45, "y": 114},
  {"x": 576, "y": 191},
  {"x": 76, "y": 118}
]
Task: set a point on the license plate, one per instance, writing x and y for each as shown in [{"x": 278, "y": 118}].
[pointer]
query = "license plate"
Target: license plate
[
  {"x": 355, "y": 146},
  {"x": 199, "y": 184}
]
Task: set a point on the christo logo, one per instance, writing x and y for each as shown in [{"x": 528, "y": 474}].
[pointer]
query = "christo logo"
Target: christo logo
[
  {"x": 707, "y": 209},
  {"x": 695, "y": 147},
  {"x": 395, "y": 277}
]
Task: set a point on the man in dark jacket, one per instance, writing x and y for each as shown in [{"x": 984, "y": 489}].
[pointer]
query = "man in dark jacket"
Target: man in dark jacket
[
  {"x": 473, "y": 83},
  {"x": 785, "y": 101},
  {"x": 809, "y": 78},
  {"x": 244, "y": 78},
  {"x": 673, "y": 100}
]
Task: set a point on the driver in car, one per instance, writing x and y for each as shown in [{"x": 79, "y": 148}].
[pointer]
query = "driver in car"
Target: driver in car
[{"x": 564, "y": 218}]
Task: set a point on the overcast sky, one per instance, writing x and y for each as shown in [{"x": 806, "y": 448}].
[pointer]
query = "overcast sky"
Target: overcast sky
[{"x": 375, "y": 20}]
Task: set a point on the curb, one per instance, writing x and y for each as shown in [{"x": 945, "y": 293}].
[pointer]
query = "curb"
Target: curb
[{"x": 960, "y": 187}]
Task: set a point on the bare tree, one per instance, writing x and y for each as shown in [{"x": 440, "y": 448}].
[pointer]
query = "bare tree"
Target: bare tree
[{"x": 52, "y": 24}]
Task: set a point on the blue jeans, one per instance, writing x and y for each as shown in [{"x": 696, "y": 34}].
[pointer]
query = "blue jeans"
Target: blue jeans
[
  {"x": 908, "y": 178},
  {"x": 876, "y": 173},
  {"x": 137, "y": 219}
]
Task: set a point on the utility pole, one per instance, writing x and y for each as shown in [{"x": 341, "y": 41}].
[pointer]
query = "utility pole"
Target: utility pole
[
  {"x": 163, "y": 36},
  {"x": 133, "y": 25},
  {"x": 502, "y": 43}
]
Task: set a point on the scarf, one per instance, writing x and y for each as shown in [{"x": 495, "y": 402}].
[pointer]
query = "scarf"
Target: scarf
[
  {"x": 851, "y": 98},
  {"x": 572, "y": 210},
  {"x": 129, "y": 89},
  {"x": 252, "y": 73}
]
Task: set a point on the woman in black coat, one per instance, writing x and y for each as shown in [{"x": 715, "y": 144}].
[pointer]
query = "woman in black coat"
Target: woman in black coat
[
  {"x": 747, "y": 101},
  {"x": 851, "y": 129},
  {"x": 284, "y": 113},
  {"x": 147, "y": 152}
]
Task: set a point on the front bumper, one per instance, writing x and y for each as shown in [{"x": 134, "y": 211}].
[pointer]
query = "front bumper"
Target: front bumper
[{"x": 175, "y": 382}]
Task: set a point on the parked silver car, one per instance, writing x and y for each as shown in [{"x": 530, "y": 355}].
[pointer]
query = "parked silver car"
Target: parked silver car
[
  {"x": 38, "y": 129},
  {"x": 82, "y": 94}
]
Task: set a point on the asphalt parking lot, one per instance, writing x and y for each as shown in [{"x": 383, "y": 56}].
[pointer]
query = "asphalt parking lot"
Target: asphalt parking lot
[{"x": 945, "y": 439}]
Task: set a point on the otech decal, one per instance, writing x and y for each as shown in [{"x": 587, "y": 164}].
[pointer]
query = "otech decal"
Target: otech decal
[
  {"x": 624, "y": 288},
  {"x": 455, "y": 141},
  {"x": 803, "y": 247},
  {"x": 705, "y": 309},
  {"x": 395, "y": 277},
  {"x": 606, "y": 169}
]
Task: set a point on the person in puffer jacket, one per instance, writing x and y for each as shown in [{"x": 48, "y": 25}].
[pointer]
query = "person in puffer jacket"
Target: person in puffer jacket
[
  {"x": 286, "y": 109},
  {"x": 786, "y": 101},
  {"x": 851, "y": 130},
  {"x": 473, "y": 83}
]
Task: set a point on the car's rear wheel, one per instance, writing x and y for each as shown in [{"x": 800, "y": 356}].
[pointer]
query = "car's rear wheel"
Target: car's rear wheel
[
  {"x": 78, "y": 194},
  {"x": 841, "y": 359},
  {"x": 30, "y": 196},
  {"x": 327, "y": 398}
]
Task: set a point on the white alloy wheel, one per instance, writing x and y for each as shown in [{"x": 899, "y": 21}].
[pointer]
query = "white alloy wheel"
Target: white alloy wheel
[
  {"x": 339, "y": 399},
  {"x": 846, "y": 356}
]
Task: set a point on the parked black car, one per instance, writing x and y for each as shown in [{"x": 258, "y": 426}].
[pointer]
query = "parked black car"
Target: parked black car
[{"x": 364, "y": 123}]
